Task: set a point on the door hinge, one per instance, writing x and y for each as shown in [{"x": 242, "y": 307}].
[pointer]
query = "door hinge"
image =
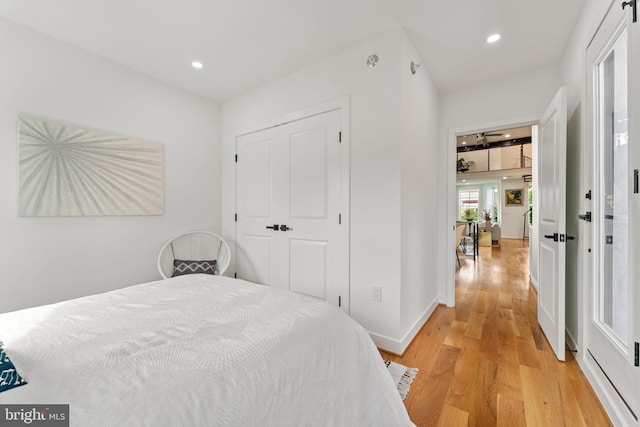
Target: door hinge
[
  {"x": 236, "y": 217},
  {"x": 636, "y": 361},
  {"x": 339, "y": 301},
  {"x": 235, "y": 275},
  {"x": 588, "y": 195},
  {"x": 635, "y": 181},
  {"x": 339, "y": 219},
  {"x": 586, "y": 216},
  {"x": 236, "y": 158},
  {"x": 339, "y": 136}
]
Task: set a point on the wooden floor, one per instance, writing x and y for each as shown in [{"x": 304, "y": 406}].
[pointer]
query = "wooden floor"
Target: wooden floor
[{"x": 487, "y": 363}]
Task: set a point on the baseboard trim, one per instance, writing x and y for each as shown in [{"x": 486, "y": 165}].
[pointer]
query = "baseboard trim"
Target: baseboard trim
[
  {"x": 534, "y": 282},
  {"x": 398, "y": 347},
  {"x": 570, "y": 342},
  {"x": 612, "y": 405}
]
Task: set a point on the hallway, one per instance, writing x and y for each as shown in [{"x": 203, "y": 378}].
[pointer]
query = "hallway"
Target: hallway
[{"x": 487, "y": 363}]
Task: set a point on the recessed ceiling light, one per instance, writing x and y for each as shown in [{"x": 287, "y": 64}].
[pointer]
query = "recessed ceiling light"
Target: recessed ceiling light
[
  {"x": 464, "y": 142},
  {"x": 493, "y": 38},
  {"x": 504, "y": 177},
  {"x": 464, "y": 180},
  {"x": 507, "y": 135},
  {"x": 197, "y": 65}
]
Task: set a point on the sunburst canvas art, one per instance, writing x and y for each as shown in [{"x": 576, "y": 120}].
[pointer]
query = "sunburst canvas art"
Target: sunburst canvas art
[{"x": 68, "y": 171}]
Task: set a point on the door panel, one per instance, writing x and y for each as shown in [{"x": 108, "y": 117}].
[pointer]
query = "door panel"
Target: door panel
[
  {"x": 292, "y": 176},
  {"x": 308, "y": 152},
  {"x": 552, "y": 149},
  {"x": 308, "y": 266},
  {"x": 256, "y": 194},
  {"x": 634, "y": 202},
  {"x": 257, "y": 247},
  {"x": 256, "y": 265},
  {"x": 315, "y": 206},
  {"x": 613, "y": 101}
]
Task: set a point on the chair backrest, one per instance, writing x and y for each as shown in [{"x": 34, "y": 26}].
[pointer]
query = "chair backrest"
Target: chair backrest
[
  {"x": 459, "y": 231},
  {"x": 194, "y": 246}
]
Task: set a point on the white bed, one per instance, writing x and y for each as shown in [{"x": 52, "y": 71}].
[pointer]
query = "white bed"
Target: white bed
[{"x": 200, "y": 350}]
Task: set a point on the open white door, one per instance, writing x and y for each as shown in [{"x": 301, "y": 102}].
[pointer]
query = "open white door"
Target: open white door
[
  {"x": 552, "y": 154},
  {"x": 612, "y": 329}
]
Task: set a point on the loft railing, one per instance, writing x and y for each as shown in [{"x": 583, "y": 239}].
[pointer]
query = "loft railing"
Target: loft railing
[{"x": 495, "y": 159}]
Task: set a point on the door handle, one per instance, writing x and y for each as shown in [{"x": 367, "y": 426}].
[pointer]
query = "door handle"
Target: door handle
[
  {"x": 633, "y": 4},
  {"x": 284, "y": 227},
  {"x": 586, "y": 216},
  {"x": 553, "y": 236},
  {"x": 274, "y": 227}
]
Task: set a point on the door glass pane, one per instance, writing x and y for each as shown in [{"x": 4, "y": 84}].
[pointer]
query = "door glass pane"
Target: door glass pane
[{"x": 612, "y": 223}]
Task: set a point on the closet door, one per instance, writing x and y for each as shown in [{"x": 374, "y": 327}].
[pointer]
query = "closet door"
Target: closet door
[
  {"x": 260, "y": 192},
  {"x": 291, "y": 176}
]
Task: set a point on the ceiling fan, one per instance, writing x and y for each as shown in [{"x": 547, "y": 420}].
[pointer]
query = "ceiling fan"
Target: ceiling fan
[{"x": 481, "y": 138}]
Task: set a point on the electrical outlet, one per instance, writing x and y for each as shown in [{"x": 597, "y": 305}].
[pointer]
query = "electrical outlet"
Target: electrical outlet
[{"x": 376, "y": 293}]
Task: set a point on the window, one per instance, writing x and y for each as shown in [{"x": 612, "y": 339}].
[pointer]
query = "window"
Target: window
[
  {"x": 492, "y": 203},
  {"x": 468, "y": 205}
]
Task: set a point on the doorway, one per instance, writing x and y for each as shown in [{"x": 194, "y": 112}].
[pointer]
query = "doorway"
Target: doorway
[{"x": 491, "y": 183}]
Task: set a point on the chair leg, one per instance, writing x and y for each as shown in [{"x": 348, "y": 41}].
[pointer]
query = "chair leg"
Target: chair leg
[{"x": 457, "y": 256}]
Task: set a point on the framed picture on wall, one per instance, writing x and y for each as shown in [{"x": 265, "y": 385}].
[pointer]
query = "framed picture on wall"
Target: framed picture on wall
[{"x": 513, "y": 197}]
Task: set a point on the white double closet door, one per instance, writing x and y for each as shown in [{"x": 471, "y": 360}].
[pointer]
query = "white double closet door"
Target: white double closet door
[{"x": 292, "y": 230}]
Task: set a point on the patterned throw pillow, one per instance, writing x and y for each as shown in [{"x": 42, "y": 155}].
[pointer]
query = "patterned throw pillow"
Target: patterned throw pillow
[
  {"x": 9, "y": 376},
  {"x": 181, "y": 267}
]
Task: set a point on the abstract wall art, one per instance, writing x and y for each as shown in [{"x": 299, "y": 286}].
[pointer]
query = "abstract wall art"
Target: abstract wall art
[
  {"x": 64, "y": 170},
  {"x": 513, "y": 197}
]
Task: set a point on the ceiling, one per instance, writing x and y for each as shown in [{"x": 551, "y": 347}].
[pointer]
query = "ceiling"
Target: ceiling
[
  {"x": 493, "y": 136},
  {"x": 246, "y": 43}
]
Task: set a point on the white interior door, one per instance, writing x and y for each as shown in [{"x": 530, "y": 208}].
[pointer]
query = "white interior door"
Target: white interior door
[
  {"x": 258, "y": 193},
  {"x": 552, "y": 152},
  {"x": 614, "y": 101},
  {"x": 291, "y": 233}
]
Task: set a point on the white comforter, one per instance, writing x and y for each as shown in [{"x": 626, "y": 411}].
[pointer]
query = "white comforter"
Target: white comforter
[{"x": 200, "y": 351}]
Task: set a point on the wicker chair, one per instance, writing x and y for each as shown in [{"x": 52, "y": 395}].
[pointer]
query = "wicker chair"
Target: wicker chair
[{"x": 195, "y": 246}]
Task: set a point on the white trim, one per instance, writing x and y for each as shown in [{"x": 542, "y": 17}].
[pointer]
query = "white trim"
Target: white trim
[
  {"x": 342, "y": 103},
  {"x": 451, "y": 188},
  {"x": 534, "y": 282},
  {"x": 399, "y": 346},
  {"x": 609, "y": 399}
]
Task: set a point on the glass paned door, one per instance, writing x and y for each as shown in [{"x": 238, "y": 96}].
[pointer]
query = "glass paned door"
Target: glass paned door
[
  {"x": 612, "y": 233},
  {"x": 609, "y": 161}
]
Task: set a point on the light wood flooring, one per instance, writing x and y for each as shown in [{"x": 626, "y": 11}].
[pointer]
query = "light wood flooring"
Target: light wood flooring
[{"x": 487, "y": 363}]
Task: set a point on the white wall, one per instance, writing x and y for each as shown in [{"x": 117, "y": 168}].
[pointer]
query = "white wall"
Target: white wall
[
  {"x": 501, "y": 102},
  {"x": 512, "y": 223},
  {"x": 377, "y": 156},
  {"x": 420, "y": 107},
  {"x": 53, "y": 259}
]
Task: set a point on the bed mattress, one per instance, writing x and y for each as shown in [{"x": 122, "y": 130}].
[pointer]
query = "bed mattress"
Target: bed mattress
[{"x": 200, "y": 350}]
